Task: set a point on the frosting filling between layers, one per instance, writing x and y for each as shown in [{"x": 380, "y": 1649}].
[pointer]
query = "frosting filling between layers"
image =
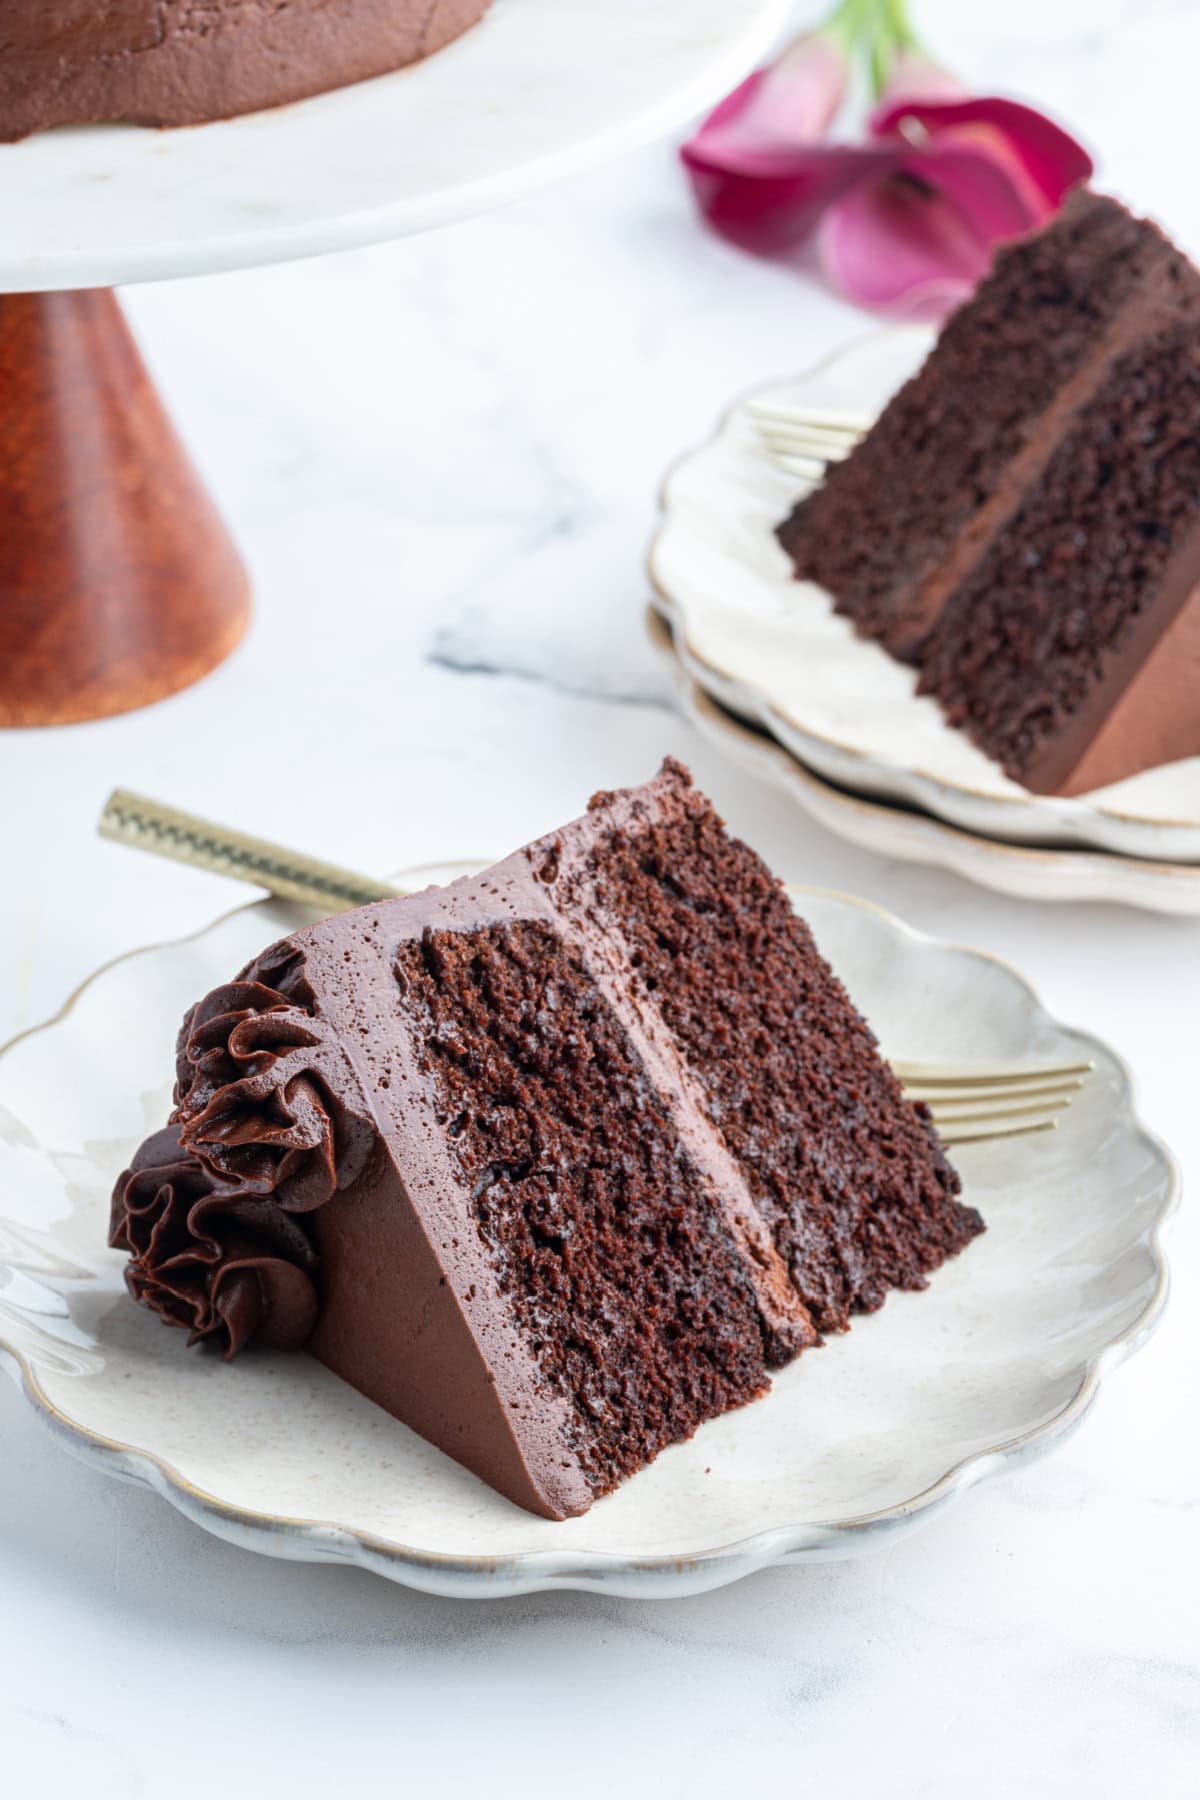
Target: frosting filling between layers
[
  {"x": 1149, "y": 309},
  {"x": 879, "y": 531},
  {"x": 1059, "y": 619},
  {"x": 354, "y": 1339},
  {"x": 844, "y": 1173},
  {"x": 1046, "y": 583},
  {"x": 605, "y": 1236}
]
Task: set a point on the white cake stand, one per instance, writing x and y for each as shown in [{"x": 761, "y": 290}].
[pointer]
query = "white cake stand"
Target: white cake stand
[{"x": 117, "y": 583}]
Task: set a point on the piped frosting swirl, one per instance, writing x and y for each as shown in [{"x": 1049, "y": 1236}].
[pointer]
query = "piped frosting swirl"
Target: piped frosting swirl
[{"x": 268, "y": 1123}]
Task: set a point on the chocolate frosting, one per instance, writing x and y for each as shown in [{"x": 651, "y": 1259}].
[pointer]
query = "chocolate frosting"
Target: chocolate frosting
[
  {"x": 183, "y": 62},
  {"x": 268, "y": 1122},
  {"x": 305, "y": 1076},
  {"x": 225, "y": 1214},
  {"x": 205, "y": 1257}
]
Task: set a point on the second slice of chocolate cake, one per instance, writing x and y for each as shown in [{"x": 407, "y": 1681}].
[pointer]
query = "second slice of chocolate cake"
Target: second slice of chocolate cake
[
  {"x": 554, "y": 1163},
  {"x": 1023, "y": 520},
  {"x": 891, "y": 531}
]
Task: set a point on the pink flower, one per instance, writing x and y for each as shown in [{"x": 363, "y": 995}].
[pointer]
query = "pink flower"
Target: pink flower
[
  {"x": 748, "y": 166},
  {"x": 907, "y": 221},
  {"x": 955, "y": 176}
]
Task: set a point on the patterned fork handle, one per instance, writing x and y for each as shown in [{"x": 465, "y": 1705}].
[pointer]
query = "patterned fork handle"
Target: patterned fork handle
[{"x": 130, "y": 818}]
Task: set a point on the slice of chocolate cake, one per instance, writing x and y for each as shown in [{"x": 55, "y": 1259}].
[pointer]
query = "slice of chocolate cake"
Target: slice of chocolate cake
[
  {"x": 1022, "y": 520},
  {"x": 554, "y": 1163},
  {"x": 1071, "y": 651}
]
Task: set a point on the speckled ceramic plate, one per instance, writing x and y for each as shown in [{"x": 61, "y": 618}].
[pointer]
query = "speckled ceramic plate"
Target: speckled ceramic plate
[
  {"x": 1035, "y": 872},
  {"x": 774, "y": 650},
  {"x": 867, "y": 1438}
]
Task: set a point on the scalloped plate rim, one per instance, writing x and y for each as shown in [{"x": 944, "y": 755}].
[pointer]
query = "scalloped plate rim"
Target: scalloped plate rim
[
  {"x": 894, "y": 828},
  {"x": 456, "y": 1575}
]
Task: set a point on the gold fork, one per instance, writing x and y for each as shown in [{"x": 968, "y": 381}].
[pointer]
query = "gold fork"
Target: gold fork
[
  {"x": 804, "y": 440},
  {"x": 973, "y": 1101},
  {"x": 970, "y": 1102}
]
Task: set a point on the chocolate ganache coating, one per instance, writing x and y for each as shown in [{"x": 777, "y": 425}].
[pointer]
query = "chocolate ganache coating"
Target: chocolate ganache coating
[{"x": 268, "y": 1122}]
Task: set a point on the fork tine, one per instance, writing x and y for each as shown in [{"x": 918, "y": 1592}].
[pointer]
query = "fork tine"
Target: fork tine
[
  {"x": 824, "y": 418},
  {"x": 1042, "y": 1088},
  {"x": 805, "y": 443},
  {"x": 981, "y": 1074},
  {"x": 808, "y": 468},
  {"x": 972, "y": 1102},
  {"x": 801, "y": 425},
  {"x": 979, "y": 1114},
  {"x": 1000, "y": 1128}
]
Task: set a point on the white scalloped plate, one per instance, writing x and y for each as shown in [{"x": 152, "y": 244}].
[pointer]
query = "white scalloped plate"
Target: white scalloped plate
[
  {"x": 774, "y": 649},
  {"x": 864, "y": 1439},
  {"x": 1032, "y": 871}
]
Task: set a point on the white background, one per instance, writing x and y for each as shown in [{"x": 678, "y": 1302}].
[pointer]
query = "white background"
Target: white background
[{"x": 440, "y": 458}]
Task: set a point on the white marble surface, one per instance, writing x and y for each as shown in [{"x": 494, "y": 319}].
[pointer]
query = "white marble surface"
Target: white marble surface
[{"x": 440, "y": 458}]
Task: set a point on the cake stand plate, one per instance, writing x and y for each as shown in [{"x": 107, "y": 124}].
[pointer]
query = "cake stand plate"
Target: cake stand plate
[
  {"x": 537, "y": 90},
  {"x": 856, "y": 1444},
  {"x": 118, "y": 584}
]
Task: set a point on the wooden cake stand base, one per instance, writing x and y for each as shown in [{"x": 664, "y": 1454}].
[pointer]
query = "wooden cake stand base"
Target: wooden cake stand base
[{"x": 118, "y": 582}]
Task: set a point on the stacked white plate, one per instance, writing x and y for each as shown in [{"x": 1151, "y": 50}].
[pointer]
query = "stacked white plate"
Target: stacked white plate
[{"x": 770, "y": 671}]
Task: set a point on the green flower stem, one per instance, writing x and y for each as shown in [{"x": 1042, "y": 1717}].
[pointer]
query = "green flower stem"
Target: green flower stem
[
  {"x": 852, "y": 22},
  {"x": 894, "y": 33},
  {"x": 879, "y": 30},
  {"x": 896, "y": 13}
]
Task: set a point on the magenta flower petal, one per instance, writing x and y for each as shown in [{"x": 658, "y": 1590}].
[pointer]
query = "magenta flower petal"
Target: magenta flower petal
[
  {"x": 982, "y": 186},
  {"x": 911, "y": 217},
  {"x": 774, "y": 206},
  {"x": 977, "y": 172},
  {"x": 913, "y": 76},
  {"x": 758, "y": 168},
  {"x": 794, "y": 101},
  {"x": 898, "y": 245},
  {"x": 1043, "y": 161}
]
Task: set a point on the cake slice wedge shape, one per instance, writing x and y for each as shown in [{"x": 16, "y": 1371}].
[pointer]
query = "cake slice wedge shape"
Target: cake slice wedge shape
[
  {"x": 1071, "y": 653},
  {"x": 893, "y": 530},
  {"x": 1023, "y": 521},
  {"x": 474, "y": 1150}
]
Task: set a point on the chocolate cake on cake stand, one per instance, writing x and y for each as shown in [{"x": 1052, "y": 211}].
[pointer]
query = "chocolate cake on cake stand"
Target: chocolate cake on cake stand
[{"x": 119, "y": 584}]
